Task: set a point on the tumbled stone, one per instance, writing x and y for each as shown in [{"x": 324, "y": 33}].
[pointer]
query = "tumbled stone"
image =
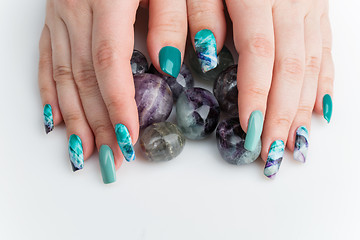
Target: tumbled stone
[
  {"x": 226, "y": 92},
  {"x": 230, "y": 141},
  {"x": 197, "y": 113},
  {"x": 225, "y": 59},
  {"x": 177, "y": 85},
  {"x": 138, "y": 63},
  {"x": 153, "y": 99},
  {"x": 162, "y": 141}
]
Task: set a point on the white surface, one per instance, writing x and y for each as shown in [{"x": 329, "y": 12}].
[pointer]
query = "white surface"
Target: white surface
[{"x": 196, "y": 196}]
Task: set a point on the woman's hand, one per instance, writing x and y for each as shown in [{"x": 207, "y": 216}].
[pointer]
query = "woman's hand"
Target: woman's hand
[
  {"x": 85, "y": 76},
  {"x": 285, "y": 68}
]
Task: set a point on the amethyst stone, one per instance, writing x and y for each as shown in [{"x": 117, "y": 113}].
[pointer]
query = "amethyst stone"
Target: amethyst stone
[
  {"x": 153, "y": 99},
  {"x": 226, "y": 92},
  {"x": 138, "y": 63},
  {"x": 183, "y": 81},
  {"x": 230, "y": 141},
  {"x": 197, "y": 113}
]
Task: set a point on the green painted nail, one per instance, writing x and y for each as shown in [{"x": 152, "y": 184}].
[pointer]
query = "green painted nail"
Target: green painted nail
[
  {"x": 107, "y": 165},
  {"x": 170, "y": 60},
  {"x": 48, "y": 118},
  {"x": 76, "y": 152},
  {"x": 327, "y": 107},
  {"x": 205, "y": 46},
  {"x": 254, "y": 131}
]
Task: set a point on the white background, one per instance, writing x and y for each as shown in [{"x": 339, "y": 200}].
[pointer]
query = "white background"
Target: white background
[{"x": 196, "y": 196}]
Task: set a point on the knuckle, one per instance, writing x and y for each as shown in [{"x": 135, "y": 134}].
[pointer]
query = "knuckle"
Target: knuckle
[
  {"x": 68, "y": 3},
  {"x": 257, "y": 92},
  {"x": 62, "y": 73},
  {"x": 105, "y": 54},
  {"x": 116, "y": 103},
  {"x": 86, "y": 82},
  {"x": 72, "y": 118},
  {"x": 282, "y": 121},
  {"x": 328, "y": 80},
  {"x": 305, "y": 109},
  {"x": 100, "y": 127},
  {"x": 313, "y": 64},
  {"x": 261, "y": 46},
  {"x": 203, "y": 9},
  {"x": 45, "y": 61},
  {"x": 173, "y": 24},
  {"x": 292, "y": 68}
]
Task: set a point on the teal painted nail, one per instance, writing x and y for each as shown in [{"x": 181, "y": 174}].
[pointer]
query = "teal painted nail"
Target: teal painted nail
[
  {"x": 76, "y": 152},
  {"x": 206, "y": 50},
  {"x": 124, "y": 141},
  {"x": 254, "y": 131},
  {"x": 48, "y": 118},
  {"x": 170, "y": 60},
  {"x": 274, "y": 158},
  {"x": 327, "y": 107},
  {"x": 107, "y": 165}
]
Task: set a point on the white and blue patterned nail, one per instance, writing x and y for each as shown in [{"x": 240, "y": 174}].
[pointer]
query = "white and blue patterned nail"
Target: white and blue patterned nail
[
  {"x": 205, "y": 47},
  {"x": 124, "y": 141},
  {"x": 301, "y": 144},
  {"x": 48, "y": 118},
  {"x": 76, "y": 153},
  {"x": 274, "y": 158}
]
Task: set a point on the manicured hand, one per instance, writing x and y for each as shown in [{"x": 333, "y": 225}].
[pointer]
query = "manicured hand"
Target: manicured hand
[
  {"x": 85, "y": 76},
  {"x": 285, "y": 68}
]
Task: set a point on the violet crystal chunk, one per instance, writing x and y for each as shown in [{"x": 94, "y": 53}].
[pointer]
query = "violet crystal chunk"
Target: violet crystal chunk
[{"x": 138, "y": 63}]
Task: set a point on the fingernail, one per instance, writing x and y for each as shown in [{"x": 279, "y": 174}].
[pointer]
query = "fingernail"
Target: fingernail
[
  {"x": 124, "y": 141},
  {"x": 107, "y": 165},
  {"x": 170, "y": 60},
  {"x": 254, "y": 130},
  {"x": 205, "y": 47},
  {"x": 301, "y": 144},
  {"x": 48, "y": 118},
  {"x": 274, "y": 158},
  {"x": 76, "y": 153},
  {"x": 327, "y": 107}
]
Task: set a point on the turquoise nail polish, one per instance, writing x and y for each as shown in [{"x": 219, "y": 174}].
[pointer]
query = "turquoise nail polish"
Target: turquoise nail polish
[
  {"x": 107, "y": 165},
  {"x": 76, "y": 152},
  {"x": 301, "y": 144},
  {"x": 170, "y": 60},
  {"x": 255, "y": 127},
  {"x": 327, "y": 107},
  {"x": 48, "y": 118},
  {"x": 206, "y": 50},
  {"x": 274, "y": 158},
  {"x": 124, "y": 141}
]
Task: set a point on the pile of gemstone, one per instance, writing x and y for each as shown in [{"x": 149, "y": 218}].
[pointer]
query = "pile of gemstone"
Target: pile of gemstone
[{"x": 197, "y": 109}]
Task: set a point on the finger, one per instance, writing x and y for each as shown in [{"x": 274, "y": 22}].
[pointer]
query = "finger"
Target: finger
[
  {"x": 286, "y": 85},
  {"x": 323, "y": 103},
  {"x": 298, "y": 139},
  {"x": 112, "y": 48},
  {"x": 52, "y": 114},
  {"x": 81, "y": 142},
  {"x": 207, "y": 30},
  {"x": 254, "y": 40},
  {"x": 167, "y": 34}
]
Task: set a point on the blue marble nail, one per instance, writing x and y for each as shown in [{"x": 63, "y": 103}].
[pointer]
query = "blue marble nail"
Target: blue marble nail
[
  {"x": 48, "y": 118},
  {"x": 301, "y": 144},
  {"x": 205, "y": 47},
  {"x": 124, "y": 141},
  {"x": 76, "y": 152},
  {"x": 274, "y": 158}
]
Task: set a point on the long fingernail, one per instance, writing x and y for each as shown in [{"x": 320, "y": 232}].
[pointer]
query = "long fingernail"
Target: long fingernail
[
  {"x": 327, "y": 107},
  {"x": 274, "y": 158},
  {"x": 124, "y": 141},
  {"x": 301, "y": 144},
  {"x": 76, "y": 153},
  {"x": 205, "y": 47},
  {"x": 48, "y": 118},
  {"x": 107, "y": 165},
  {"x": 254, "y": 130},
  {"x": 170, "y": 60}
]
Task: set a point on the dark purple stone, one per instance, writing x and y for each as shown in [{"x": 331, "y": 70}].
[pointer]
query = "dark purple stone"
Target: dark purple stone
[
  {"x": 153, "y": 98},
  {"x": 197, "y": 113},
  {"x": 230, "y": 141},
  {"x": 226, "y": 92},
  {"x": 177, "y": 85},
  {"x": 138, "y": 63}
]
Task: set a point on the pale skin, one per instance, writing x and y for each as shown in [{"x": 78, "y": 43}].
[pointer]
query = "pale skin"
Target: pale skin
[{"x": 285, "y": 64}]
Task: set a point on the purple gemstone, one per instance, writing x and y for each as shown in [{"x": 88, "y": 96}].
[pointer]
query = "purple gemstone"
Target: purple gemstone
[
  {"x": 225, "y": 91},
  {"x": 197, "y": 113},
  {"x": 230, "y": 141},
  {"x": 153, "y": 98},
  {"x": 179, "y": 84},
  {"x": 138, "y": 63}
]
